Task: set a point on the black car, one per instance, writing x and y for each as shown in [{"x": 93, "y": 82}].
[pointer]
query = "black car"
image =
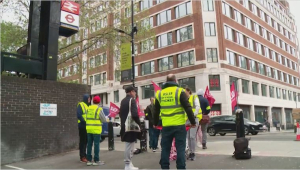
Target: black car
[{"x": 226, "y": 124}]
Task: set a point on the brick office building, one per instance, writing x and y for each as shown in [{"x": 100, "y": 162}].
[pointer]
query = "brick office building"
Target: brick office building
[{"x": 210, "y": 43}]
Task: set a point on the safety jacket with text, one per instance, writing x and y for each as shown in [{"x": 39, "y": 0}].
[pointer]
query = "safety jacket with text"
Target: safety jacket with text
[
  {"x": 84, "y": 108},
  {"x": 192, "y": 102},
  {"x": 93, "y": 122},
  {"x": 171, "y": 111}
]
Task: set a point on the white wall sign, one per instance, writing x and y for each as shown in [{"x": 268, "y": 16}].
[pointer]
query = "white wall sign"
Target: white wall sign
[
  {"x": 69, "y": 19},
  {"x": 47, "y": 109}
]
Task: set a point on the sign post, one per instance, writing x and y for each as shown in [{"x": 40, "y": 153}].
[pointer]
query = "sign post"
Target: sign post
[{"x": 125, "y": 62}]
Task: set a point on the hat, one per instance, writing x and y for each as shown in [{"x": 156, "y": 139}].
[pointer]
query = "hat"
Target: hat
[
  {"x": 96, "y": 100},
  {"x": 200, "y": 92},
  {"x": 129, "y": 89}
]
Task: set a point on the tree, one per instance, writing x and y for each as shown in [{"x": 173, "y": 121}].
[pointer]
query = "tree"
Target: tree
[{"x": 13, "y": 36}]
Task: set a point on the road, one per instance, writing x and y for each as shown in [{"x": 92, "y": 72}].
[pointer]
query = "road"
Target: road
[{"x": 270, "y": 151}]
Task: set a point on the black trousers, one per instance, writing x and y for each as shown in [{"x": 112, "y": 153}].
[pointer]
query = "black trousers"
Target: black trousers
[{"x": 82, "y": 142}]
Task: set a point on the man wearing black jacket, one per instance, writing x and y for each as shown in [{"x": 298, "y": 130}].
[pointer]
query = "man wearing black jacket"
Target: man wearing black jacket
[
  {"x": 172, "y": 110},
  {"x": 153, "y": 132}
]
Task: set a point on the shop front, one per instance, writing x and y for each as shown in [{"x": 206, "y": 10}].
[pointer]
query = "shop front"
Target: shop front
[
  {"x": 261, "y": 114},
  {"x": 215, "y": 110},
  {"x": 276, "y": 117},
  {"x": 289, "y": 119}
]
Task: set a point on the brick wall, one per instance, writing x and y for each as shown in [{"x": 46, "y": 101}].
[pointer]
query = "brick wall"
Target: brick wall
[{"x": 25, "y": 134}]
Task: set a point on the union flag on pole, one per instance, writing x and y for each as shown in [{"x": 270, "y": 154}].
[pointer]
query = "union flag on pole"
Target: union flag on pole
[
  {"x": 140, "y": 113},
  {"x": 113, "y": 110},
  {"x": 233, "y": 95},
  {"x": 209, "y": 97},
  {"x": 156, "y": 87}
]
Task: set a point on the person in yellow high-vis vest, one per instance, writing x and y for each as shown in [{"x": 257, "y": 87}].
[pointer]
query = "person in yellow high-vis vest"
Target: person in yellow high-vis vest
[
  {"x": 82, "y": 109},
  {"x": 172, "y": 103},
  {"x": 94, "y": 119},
  {"x": 191, "y": 134}
]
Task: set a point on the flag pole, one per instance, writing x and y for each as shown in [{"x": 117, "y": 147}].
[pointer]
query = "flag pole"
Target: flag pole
[{"x": 237, "y": 96}]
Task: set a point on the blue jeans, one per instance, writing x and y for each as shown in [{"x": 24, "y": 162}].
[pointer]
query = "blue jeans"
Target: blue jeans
[
  {"x": 154, "y": 135},
  {"x": 93, "y": 138},
  {"x": 168, "y": 133}
]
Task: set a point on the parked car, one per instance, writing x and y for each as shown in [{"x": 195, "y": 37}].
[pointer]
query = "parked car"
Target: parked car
[
  {"x": 116, "y": 125},
  {"x": 226, "y": 124}
]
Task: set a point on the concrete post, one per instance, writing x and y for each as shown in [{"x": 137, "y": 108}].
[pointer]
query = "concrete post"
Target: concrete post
[
  {"x": 252, "y": 113},
  {"x": 283, "y": 118},
  {"x": 270, "y": 116}
]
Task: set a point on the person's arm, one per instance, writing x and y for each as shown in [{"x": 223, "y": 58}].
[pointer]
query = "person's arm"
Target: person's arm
[
  {"x": 187, "y": 107},
  {"x": 156, "y": 113},
  {"x": 207, "y": 107},
  {"x": 79, "y": 113},
  {"x": 197, "y": 106},
  {"x": 134, "y": 112},
  {"x": 149, "y": 114}
]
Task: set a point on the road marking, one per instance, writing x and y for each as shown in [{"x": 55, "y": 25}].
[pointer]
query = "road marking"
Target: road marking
[{"x": 14, "y": 167}]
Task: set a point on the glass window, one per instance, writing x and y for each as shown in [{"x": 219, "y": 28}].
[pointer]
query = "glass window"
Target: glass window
[
  {"x": 116, "y": 96},
  {"x": 188, "y": 82},
  {"x": 183, "y": 9},
  {"x": 284, "y": 94},
  {"x": 235, "y": 81},
  {"x": 185, "y": 59},
  {"x": 164, "y": 40},
  {"x": 238, "y": 16},
  {"x": 163, "y": 17},
  {"x": 278, "y": 93},
  {"x": 256, "y": 28},
  {"x": 208, "y": 5},
  {"x": 84, "y": 81},
  {"x": 91, "y": 81},
  {"x": 253, "y": 66},
  {"x": 212, "y": 55},
  {"x": 263, "y": 90},
  {"x": 267, "y": 52},
  {"x": 243, "y": 62},
  {"x": 145, "y": 4},
  {"x": 275, "y": 73},
  {"x": 226, "y": 9},
  {"x": 147, "y": 22},
  {"x": 97, "y": 78},
  {"x": 184, "y": 34},
  {"x": 92, "y": 62},
  {"x": 147, "y": 45},
  {"x": 84, "y": 67},
  {"x": 271, "y": 91},
  {"x": 245, "y": 86},
  {"x": 104, "y": 78},
  {"x": 258, "y": 48},
  {"x": 165, "y": 63},
  {"x": 250, "y": 44},
  {"x": 228, "y": 33},
  {"x": 148, "y": 68},
  {"x": 240, "y": 38},
  {"x": 147, "y": 91},
  {"x": 248, "y": 23},
  {"x": 214, "y": 82},
  {"x": 210, "y": 29},
  {"x": 231, "y": 58},
  {"x": 117, "y": 75},
  {"x": 255, "y": 88},
  {"x": 290, "y": 95}
]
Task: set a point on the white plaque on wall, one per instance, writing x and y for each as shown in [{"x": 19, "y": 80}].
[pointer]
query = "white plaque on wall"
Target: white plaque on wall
[{"x": 47, "y": 109}]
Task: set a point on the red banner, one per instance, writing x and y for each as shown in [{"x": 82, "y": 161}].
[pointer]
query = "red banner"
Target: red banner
[
  {"x": 113, "y": 110},
  {"x": 233, "y": 95},
  {"x": 209, "y": 97},
  {"x": 140, "y": 113},
  {"x": 156, "y": 87},
  {"x": 71, "y": 7}
]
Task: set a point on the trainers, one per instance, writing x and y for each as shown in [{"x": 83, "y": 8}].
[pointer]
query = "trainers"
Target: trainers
[
  {"x": 89, "y": 163},
  {"x": 83, "y": 160},
  {"x": 204, "y": 146},
  {"x": 154, "y": 150},
  {"x": 192, "y": 156},
  {"x": 98, "y": 163}
]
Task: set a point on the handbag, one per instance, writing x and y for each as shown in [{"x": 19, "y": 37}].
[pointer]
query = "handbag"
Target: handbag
[
  {"x": 205, "y": 119},
  {"x": 130, "y": 124}
]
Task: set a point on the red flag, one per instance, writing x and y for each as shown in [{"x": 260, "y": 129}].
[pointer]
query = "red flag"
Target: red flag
[
  {"x": 113, "y": 110},
  {"x": 140, "y": 113},
  {"x": 209, "y": 97},
  {"x": 233, "y": 95},
  {"x": 156, "y": 87}
]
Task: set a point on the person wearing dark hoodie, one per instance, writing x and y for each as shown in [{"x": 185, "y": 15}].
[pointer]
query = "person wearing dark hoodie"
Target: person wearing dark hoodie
[
  {"x": 171, "y": 103},
  {"x": 82, "y": 109}
]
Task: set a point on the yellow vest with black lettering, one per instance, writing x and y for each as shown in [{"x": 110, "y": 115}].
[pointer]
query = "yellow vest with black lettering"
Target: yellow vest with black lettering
[
  {"x": 192, "y": 102},
  {"x": 171, "y": 111},
  {"x": 84, "y": 108},
  {"x": 93, "y": 122}
]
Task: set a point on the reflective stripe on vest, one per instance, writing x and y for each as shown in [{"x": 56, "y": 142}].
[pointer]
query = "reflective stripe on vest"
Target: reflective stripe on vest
[
  {"x": 171, "y": 111},
  {"x": 84, "y": 108},
  {"x": 93, "y": 122}
]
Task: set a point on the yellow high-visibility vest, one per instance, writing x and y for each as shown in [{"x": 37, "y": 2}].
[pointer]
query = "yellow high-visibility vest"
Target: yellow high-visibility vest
[
  {"x": 192, "y": 102},
  {"x": 84, "y": 108},
  {"x": 171, "y": 111},
  {"x": 93, "y": 122}
]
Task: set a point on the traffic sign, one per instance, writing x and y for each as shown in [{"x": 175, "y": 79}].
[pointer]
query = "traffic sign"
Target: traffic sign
[{"x": 70, "y": 7}]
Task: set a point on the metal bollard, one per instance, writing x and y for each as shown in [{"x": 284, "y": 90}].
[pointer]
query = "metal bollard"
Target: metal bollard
[
  {"x": 143, "y": 141},
  {"x": 240, "y": 127},
  {"x": 111, "y": 142}
]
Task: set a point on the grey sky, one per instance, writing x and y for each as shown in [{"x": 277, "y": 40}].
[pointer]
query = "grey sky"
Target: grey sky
[{"x": 295, "y": 10}]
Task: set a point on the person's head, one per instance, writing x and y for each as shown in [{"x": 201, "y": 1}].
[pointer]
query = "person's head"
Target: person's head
[
  {"x": 171, "y": 78},
  {"x": 152, "y": 100},
  {"x": 96, "y": 100},
  {"x": 188, "y": 91},
  {"x": 86, "y": 99},
  {"x": 200, "y": 92},
  {"x": 130, "y": 91}
]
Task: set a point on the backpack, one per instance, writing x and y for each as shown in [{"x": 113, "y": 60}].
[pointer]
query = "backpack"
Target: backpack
[{"x": 241, "y": 147}]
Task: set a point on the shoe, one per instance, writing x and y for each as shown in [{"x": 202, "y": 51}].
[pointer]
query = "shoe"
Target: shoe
[
  {"x": 154, "y": 150},
  {"x": 98, "y": 163},
  {"x": 130, "y": 167},
  {"x": 83, "y": 160},
  {"x": 89, "y": 163},
  {"x": 204, "y": 146},
  {"x": 192, "y": 156},
  {"x": 199, "y": 145}
]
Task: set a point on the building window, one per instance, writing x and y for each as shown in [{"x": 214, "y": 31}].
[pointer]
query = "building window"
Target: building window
[
  {"x": 231, "y": 58},
  {"x": 97, "y": 78},
  {"x": 235, "y": 81},
  {"x": 240, "y": 38},
  {"x": 116, "y": 96},
  {"x": 212, "y": 55},
  {"x": 263, "y": 90},
  {"x": 298, "y": 97},
  {"x": 84, "y": 67},
  {"x": 255, "y": 88},
  {"x": 104, "y": 78},
  {"x": 147, "y": 45},
  {"x": 245, "y": 86},
  {"x": 147, "y": 22},
  {"x": 214, "y": 82},
  {"x": 117, "y": 75},
  {"x": 290, "y": 95},
  {"x": 256, "y": 28},
  {"x": 258, "y": 48},
  {"x": 183, "y": 9},
  {"x": 248, "y": 23},
  {"x": 184, "y": 34},
  {"x": 84, "y": 81},
  {"x": 243, "y": 62},
  {"x": 250, "y": 44},
  {"x": 91, "y": 80},
  {"x": 147, "y": 91},
  {"x": 238, "y": 16},
  {"x": 148, "y": 68},
  {"x": 164, "y": 40},
  {"x": 278, "y": 93},
  {"x": 269, "y": 73},
  {"x": 228, "y": 33},
  {"x": 271, "y": 91},
  {"x": 284, "y": 94},
  {"x": 165, "y": 63},
  {"x": 188, "y": 82},
  {"x": 226, "y": 9},
  {"x": 186, "y": 59},
  {"x": 145, "y": 4},
  {"x": 208, "y": 5},
  {"x": 210, "y": 29},
  {"x": 92, "y": 62},
  {"x": 261, "y": 68},
  {"x": 163, "y": 17},
  {"x": 253, "y": 66}
]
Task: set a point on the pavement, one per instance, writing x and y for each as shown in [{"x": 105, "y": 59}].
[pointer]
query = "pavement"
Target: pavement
[{"x": 269, "y": 151}]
